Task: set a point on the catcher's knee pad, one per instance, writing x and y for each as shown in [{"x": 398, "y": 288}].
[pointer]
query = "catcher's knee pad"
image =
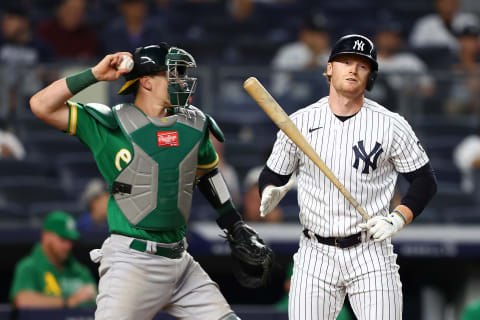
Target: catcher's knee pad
[{"x": 230, "y": 316}]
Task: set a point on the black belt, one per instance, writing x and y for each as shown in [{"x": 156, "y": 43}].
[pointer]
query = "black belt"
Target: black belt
[{"x": 339, "y": 242}]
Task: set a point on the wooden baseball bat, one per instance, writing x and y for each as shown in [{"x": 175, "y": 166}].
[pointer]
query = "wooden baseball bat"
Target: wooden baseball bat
[{"x": 256, "y": 90}]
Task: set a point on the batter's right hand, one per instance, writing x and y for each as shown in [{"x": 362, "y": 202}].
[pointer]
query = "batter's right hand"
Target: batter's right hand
[
  {"x": 271, "y": 196},
  {"x": 106, "y": 70}
]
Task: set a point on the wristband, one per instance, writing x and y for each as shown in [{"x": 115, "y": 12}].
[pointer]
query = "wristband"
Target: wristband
[
  {"x": 80, "y": 81},
  {"x": 401, "y": 216}
]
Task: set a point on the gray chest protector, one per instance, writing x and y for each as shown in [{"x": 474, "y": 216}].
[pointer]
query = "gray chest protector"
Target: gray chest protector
[{"x": 154, "y": 191}]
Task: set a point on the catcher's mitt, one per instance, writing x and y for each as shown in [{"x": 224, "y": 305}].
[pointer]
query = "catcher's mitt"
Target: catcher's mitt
[{"x": 252, "y": 258}]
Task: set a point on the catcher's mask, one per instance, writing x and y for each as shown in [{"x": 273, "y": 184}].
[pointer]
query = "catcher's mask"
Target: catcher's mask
[{"x": 153, "y": 59}]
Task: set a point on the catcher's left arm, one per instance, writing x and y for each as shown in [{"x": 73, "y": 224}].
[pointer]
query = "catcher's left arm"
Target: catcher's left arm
[{"x": 253, "y": 259}]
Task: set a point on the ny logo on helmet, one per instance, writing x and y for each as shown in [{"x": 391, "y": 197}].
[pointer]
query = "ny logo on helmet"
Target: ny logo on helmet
[
  {"x": 360, "y": 153},
  {"x": 358, "y": 45}
]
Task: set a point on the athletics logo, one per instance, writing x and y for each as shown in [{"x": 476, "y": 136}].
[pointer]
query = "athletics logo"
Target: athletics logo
[
  {"x": 360, "y": 153},
  {"x": 358, "y": 45}
]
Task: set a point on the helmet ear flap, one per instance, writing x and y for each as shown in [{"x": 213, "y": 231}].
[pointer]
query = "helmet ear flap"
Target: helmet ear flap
[{"x": 371, "y": 80}]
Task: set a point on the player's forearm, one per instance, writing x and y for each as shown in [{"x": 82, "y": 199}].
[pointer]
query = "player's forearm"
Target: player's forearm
[
  {"x": 30, "y": 299},
  {"x": 405, "y": 211},
  {"x": 214, "y": 189},
  {"x": 269, "y": 178},
  {"x": 49, "y": 103}
]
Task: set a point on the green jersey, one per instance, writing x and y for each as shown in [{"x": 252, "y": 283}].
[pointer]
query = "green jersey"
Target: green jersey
[
  {"x": 36, "y": 273},
  {"x": 113, "y": 151}
]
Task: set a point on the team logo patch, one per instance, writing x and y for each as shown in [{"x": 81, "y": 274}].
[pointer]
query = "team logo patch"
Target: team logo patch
[
  {"x": 358, "y": 45},
  {"x": 167, "y": 138},
  {"x": 370, "y": 159}
]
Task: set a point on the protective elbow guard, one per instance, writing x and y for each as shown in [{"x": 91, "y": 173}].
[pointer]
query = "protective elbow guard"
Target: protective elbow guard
[{"x": 214, "y": 189}]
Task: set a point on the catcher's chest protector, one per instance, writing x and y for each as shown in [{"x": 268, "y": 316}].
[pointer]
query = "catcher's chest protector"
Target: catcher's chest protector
[{"x": 157, "y": 184}]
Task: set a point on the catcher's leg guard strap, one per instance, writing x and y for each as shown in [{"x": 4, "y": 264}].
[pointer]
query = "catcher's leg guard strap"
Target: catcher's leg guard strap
[{"x": 230, "y": 316}]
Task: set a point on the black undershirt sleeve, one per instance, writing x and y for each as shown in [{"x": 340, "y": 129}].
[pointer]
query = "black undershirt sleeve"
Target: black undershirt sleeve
[
  {"x": 268, "y": 177},
  {"x": 423, "y": 186}
]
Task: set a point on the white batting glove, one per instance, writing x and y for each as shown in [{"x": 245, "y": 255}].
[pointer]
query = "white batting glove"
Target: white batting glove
[
  {"x": 271, "y": 196},
  {"x": 381, "y": 228}
]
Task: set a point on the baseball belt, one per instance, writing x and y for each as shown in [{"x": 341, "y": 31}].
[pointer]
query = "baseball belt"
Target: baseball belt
[
  {"x": 172, "y": 253},
  {"x": 339, "y": 242}
]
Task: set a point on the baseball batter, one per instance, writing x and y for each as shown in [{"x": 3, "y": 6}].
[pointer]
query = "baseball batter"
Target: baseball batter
[
  {"x": 366, "y": 146},
  {"x": 151, "y": 153}
]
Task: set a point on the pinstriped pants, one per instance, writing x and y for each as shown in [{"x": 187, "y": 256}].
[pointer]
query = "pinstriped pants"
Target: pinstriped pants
[{"x": 323, "y": 275}]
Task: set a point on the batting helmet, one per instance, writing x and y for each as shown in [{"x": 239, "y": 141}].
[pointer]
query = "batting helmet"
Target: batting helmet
[
  {"x": 358, "y": 45},
  {"x": 153, "y": 59}
]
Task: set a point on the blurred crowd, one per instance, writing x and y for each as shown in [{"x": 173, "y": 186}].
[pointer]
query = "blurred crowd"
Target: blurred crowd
[
  {"x": 428, "y": 61},
  {"x": 428, "y": 53}
]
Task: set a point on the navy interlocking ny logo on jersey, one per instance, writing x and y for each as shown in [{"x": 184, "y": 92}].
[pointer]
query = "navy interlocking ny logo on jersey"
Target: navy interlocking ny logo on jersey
[
  {"x": 358, "y": 45},
  {"x": 360, "y": 153}
]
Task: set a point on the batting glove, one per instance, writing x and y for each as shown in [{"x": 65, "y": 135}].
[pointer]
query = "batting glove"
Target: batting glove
[
  {"x": 271, "y": 196},
  {"x": 381, "y": 228}
]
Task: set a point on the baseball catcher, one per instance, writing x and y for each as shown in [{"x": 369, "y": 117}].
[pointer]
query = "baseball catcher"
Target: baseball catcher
[{"x": 152, "y": 152}]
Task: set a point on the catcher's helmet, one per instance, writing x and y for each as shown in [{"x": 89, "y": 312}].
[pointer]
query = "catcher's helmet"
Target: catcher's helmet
[
  {"x": 153, "y": 59},
  {"x": 358, "y": 45}
]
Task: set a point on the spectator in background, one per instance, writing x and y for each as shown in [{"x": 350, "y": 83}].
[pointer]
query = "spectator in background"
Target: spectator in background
[
  {"x": 133, "y": 28},
  {"x": 241, "y": 10},
  {"x": 436, "y": 29},
  {"x": 50, "y": 277},
  {"x": 471, "y": 311},
  {"x": 20, "y": 53},
  {"x": 310, "y": 52},
  {"x": 10, "y": 146},
  {"x": 251, "y": 200},
  {"x": 393, "y": 58},
  {"x": 95, "y": 196},
  {"x": 228, "y": 172},
  {"x": 466, "y": 156},
  {"x": 403, "y": 71},
  {"x": 67, "y": 32},
  {"x": 464, "y": 95}
]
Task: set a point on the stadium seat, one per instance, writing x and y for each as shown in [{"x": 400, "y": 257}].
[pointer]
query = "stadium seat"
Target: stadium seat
[
  {"x": 51, "y": 145},
  {"x": 38, "y": 210},
  {"x": 25, "y": 191},
  {"x": 75, "y": 170},
  {"x": 12, "y": 212},
  {"x": 30, "y": 167},
  {"x": 464, "y": 214}
]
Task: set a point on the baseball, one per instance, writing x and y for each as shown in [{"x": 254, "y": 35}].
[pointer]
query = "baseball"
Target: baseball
[{"x": 127, "y": 63}]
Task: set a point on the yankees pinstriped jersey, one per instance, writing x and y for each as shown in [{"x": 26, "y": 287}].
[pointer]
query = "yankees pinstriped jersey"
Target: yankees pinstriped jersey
[{"x": 366, "y": 152}]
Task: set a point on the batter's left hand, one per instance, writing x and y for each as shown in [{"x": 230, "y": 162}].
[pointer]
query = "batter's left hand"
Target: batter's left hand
[{"x": 381, "y": 228}]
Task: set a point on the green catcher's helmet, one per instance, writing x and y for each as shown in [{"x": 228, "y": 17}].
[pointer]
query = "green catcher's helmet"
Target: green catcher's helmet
[{"x": 153, "y": 59}]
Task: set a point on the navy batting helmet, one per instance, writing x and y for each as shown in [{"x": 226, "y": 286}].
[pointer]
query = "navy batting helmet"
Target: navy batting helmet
[{"x": 358, "y": 45}]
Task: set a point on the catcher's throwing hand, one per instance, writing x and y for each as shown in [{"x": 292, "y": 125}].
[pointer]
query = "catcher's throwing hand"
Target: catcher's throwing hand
[
  {"x": 252, "y": 258},
  {"x": 106, "y": 70},
  {"x": 381, "y": 228},
  {"x": 271, "y": 196}
]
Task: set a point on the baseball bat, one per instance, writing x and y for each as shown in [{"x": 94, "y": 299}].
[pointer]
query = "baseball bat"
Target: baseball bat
[{"x": 263, "y": 98}]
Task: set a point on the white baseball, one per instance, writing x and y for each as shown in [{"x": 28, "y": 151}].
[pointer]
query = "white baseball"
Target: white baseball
[{"x": 127, "y": 63}]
